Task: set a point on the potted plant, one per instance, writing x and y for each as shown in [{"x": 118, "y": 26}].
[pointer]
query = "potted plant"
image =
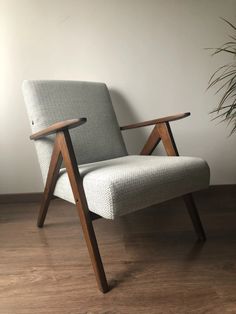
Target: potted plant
[{"x": 225, "y": 80}]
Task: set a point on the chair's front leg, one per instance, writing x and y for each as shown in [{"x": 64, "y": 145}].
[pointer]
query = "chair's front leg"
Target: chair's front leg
[
  {"x": 52, "y": 176},
  {"x": 165, "y": 134},
  {"x": 193, "y": 213},
  {"x": 82, "y": 207},
  {"x": 152, "y": 142},
  {"x": 167, "y": 139}
]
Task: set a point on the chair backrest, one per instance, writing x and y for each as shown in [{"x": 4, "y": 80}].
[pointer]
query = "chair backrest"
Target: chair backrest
[{"x": 48, "y": 102}]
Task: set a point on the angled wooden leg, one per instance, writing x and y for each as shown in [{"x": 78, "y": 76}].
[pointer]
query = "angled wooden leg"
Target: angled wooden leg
[
  {"x": 167, "y": 139},
  {"x": 171, "y": 150},
  {"x": 82, "y": 207},
  {"x": 190, "y": 204},
  {"x": 152, "y": 142},
  {"x": 53, "y": 171}
]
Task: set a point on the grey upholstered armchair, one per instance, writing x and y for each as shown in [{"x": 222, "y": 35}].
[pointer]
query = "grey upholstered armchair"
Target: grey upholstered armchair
[{"x": 98, "y": 175}]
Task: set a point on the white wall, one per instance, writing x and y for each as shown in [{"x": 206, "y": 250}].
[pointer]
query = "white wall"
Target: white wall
[{"x": 150, "y": 53}]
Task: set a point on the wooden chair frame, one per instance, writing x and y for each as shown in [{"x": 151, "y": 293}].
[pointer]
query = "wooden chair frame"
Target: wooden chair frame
[{"x": 63, "y": 151}]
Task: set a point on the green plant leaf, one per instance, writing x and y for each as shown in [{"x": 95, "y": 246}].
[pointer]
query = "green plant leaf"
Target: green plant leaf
[
  {"x": 234, "y": 27},
  {"x": 225, "y": 80}
]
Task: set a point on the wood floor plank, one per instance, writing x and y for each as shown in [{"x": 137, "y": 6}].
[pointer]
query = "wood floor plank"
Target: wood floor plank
[{"x": 151, "y": 259}]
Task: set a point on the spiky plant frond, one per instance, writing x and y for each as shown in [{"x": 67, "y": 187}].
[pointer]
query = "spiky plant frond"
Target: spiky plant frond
[{"x": 225, "y": 80}]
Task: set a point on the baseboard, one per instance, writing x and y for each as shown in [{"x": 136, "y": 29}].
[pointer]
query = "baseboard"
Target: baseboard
[
  {"x": 220, "y": 187},
  {"x": 20, "y": 198},
  {"x": 36, "y": 197},
  {"x": 225, "y": 189}
]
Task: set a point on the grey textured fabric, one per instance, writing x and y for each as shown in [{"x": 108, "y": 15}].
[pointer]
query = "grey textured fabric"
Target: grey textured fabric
[
  {"x": 48, "y": 102},
  {"x": 122, "y": 185},
  {"x": 115, "y": 184}
]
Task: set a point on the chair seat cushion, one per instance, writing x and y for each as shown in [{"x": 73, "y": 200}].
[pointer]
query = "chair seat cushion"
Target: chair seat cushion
[{"x": 122, "y": 185}]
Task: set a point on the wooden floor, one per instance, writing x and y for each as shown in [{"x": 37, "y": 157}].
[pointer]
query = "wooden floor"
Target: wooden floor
[{"x": 151, "y": 259}]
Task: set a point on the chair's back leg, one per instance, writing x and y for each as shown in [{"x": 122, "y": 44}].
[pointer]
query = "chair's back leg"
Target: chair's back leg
[
  {"x": 52, "y": 176},
  {"x": 82, "y": 207}
]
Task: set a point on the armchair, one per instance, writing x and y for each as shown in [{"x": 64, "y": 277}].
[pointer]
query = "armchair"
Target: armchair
[{"x": 98, "y": 175}]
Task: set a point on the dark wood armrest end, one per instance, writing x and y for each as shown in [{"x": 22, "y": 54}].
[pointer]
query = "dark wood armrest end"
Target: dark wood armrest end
[{"x": 58, "y": 126}]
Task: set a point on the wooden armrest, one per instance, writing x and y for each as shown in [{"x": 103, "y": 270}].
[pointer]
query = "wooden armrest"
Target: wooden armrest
[
  {"x": 58, "y": 126},
  {"x": 156, "y": 121}
]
